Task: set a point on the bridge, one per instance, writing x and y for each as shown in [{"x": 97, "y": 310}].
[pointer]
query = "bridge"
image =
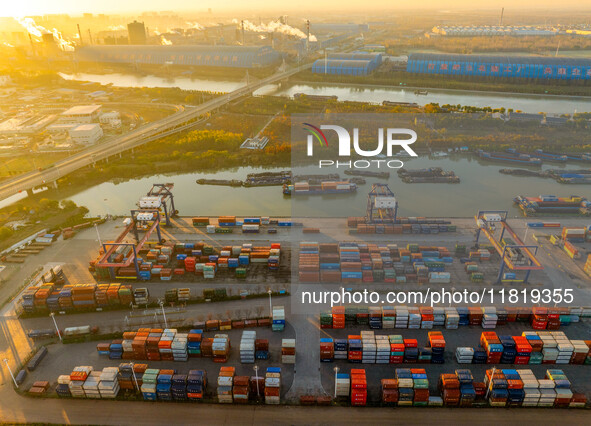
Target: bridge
[{"x": 181, "y": 120}]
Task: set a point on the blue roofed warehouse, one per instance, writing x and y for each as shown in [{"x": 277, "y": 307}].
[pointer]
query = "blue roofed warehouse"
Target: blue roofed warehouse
[
  {"x": 192, "y": 55},
  {"x": 536, "y": 67}
]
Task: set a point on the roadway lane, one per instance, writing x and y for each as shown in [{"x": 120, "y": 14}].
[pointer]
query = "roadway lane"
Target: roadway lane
[{"x": 151, "y": 131}]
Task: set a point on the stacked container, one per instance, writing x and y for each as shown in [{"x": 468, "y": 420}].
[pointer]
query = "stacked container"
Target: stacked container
[
  {"x": 278, "y": 318},
  {"x": 358, "y": 387},
  {"x": 196, "y": 384},
  {"x": 531, "y": 392},
  {"x": 389, "y": 391},
  {"x": 272, "y": 385},
  {"x": 220, "y": 348},
  {"x": 247, "y": 347},
  {"x": 420, "y": 387},
  {"x": 343, "y": 385},
  {"x": 194, "y": 343},
  {"x": 225, "y": 384},
  {"x": 240, "y": 390},
  {"x": 405, "y": 386},
  {"x": 63, "y": 386},
  {"x": 149, "y": 384},
  {"x": 179, "y": 347},
  {"x": 109, "y": 385},
  {"x": 288, "y": 351},
  {"x": 369, "y": 348},
  {"x": 449, "y": 386}
]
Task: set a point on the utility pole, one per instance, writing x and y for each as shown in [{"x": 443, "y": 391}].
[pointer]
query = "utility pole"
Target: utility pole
[
  {"x": 163, "y": 313},
  {"x": 10, "y": 371},
  {"x": 336, "y": 372},
  {"x": 59, "y": 334},
  {"x": 270, "y": 304}
]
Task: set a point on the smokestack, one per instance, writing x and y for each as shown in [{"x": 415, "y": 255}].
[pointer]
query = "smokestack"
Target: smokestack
[
  {"x": 307, "y": 34},
  {"x": 502, "y": 12},
  {"x": 79, "y": 33},
  {"x": 89, "y": 37},
  {"x": 242, "y": 24},
  {"x": 32, "y": 45}
]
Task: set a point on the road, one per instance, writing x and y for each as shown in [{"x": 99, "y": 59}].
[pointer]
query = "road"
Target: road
[{"x": 174, "y": 123}]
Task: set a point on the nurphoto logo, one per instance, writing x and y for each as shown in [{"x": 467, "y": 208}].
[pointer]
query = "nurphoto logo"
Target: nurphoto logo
[{"x": 387, "y": 137}]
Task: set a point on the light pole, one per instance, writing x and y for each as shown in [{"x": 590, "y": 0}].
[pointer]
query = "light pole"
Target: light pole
[
  {"x": 134, "y": 376},
  {"x": 256, "y": 375},
  {"x": 270, "y": 304},
  {"x": 98, "y": 235},
  {"x": 10, "y": 371},
  {"x": 490, "y": 384},
  {"x": 336, "y": 371},
  {"x": 163, "y": 313},
  {"x": 59, "y": 334}
]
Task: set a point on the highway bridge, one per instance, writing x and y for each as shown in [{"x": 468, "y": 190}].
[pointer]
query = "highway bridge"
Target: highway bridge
[{"x": 177, "y": 122}]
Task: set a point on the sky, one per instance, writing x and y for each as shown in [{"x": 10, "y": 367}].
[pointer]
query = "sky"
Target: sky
[{"x": 40, "y": 7}]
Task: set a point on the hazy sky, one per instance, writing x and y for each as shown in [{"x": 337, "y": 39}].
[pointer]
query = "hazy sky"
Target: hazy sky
[{"x": 39, "y": 7}]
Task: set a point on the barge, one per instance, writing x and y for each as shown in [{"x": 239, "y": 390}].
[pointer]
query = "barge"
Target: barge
[
  {"x": 511, "y": 157},
  {"x": 306, "y": 188},
  {"x": 221, "y": 182},
  {"x": 430, "y": 175},
  {"x": 551, "y": 204},
  {"x": 368, "y": 173}
]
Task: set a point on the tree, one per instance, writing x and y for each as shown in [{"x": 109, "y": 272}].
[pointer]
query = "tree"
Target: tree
[{"x": 67, "y": 205}]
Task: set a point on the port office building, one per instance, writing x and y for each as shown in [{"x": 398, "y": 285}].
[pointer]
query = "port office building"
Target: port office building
[
  {"x": 347, "y": 63},
  {"x": 195, "y": 55},
  {"x": 536, "y": 67}
]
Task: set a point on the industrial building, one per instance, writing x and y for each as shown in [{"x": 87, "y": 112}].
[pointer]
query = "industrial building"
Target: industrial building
[
  {"x": 136, "y": 32},
  {"x": 500, "y": 66},
  {"x": 86, "y": 134},
  {"x": 375, "y": 58},
  {"x": 348, "y": 63},
  {"x": 81, "y": 114},
  {"x": 496, "y": 30},
  {"x": 111, "y": 119},
  {"x": 195, "y": 55},
  {"x": 326, "y": 27}
]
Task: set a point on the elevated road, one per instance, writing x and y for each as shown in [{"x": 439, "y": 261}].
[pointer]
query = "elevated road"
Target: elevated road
[{"x": 177, "y": 122}]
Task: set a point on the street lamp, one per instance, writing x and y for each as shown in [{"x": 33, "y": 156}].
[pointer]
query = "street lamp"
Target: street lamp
[
  {"x": 163, "y": 313},
  {"x": 10, "y": 371},
  {"x": 270, "y": 303},
  {"x": 137, "y": 387},
  {"x": 336, "y": 371},
  {"x": 98, "y": 235},
  {"x": 59, "y": 334},
  {"x": 256, "y": 375}
]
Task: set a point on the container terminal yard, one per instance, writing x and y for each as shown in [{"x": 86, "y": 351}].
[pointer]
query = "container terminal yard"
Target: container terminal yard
[
  {"x": 159, "y": 306},
  {"x": 244, "y": 291}
]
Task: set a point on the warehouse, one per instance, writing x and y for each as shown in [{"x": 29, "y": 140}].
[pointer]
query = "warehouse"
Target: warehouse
[
  {"x": 196, "y": 55},
  {"x": 375, "y": 58},
  {"x": 343, "y": 67},
  {"x": 500, "y": 66},
  {"x": 86, "y": 134},
  {"x": 81, "y": 114}
]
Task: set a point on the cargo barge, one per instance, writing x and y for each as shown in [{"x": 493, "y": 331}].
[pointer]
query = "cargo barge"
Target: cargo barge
[
  {"x": 401, "y": 104},
  {"x": 305, "y": 188},
  {"x": 430, "y": 175},
  {"x": 368, "y": 173},
  {"x": 221, "y": 182},
  {"x": 548, "y": 156},
  {"x": 510, "y": 157},
  {"x": 268, "y": 178},
  {"x": 586, "y": 157},
  {"x": 315, "y": 97},
  {"x": 523, "y": 172},
  {"x": 550, "y": 204}
]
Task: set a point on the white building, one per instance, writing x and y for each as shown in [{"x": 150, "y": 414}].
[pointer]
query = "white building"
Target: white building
[
  {"x": 81, "y": 114},
  {"x": 111, "y": 119},
  {"x": 86, "y": 134}
]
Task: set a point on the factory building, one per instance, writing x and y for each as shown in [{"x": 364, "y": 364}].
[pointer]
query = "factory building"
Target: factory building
[
  {"x": 194, "y": 55},
  {"x": 375, "y": 58},
  {"x": 497, "y": 30},
  {"x": 500, "y": 66},
  {"x": 342, "y": 67},
  {"x": 86, "y": 134},
  {"x": 326, "y": 27},
  {"x": 81, "y": 114},
  {"x": 136, "y": 31}
]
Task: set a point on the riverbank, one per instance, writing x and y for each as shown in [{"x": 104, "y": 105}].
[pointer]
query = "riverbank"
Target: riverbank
[{"x": 404, "y": 79}]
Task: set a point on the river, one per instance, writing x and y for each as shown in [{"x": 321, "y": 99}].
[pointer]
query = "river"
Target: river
[
  {"x": 481, "y": 187},
  {"x": 374, "y": 94}
]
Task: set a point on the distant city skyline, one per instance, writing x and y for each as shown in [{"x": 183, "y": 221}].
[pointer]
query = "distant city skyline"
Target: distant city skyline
[{"x": 41, "y": 7}]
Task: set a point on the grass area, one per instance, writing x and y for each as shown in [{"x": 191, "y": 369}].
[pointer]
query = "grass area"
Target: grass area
[
  {"x": 38, "y": 213},
  {"x": 403, "y": 78},
  {"x": 26, "y": 162}
]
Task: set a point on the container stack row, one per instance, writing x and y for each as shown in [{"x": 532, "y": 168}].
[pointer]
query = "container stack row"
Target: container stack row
[{"x": 487, "y": 317}]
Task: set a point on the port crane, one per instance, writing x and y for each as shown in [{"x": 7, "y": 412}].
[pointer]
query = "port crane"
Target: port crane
[
  {"x": 516, "y": 255},
  {"x": 160, "y": 197},
  {"x": 382, "y": 206},
  {"x": 143, "y": 218}
]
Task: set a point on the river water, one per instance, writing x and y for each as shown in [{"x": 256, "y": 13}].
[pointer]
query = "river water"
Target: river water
[
  {"x": 374, "y": 94},
  {"x": 481, "y": 187}
]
